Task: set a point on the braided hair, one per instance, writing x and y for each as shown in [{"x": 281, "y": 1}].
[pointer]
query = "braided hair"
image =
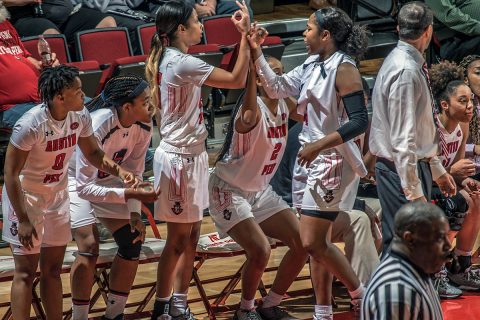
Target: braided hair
[
  {"x": 474, "y": 126},
  {"x": 116, "y": 92},
  {"x": 445, "y": 78},
  {"x": 54, "y": 80}
]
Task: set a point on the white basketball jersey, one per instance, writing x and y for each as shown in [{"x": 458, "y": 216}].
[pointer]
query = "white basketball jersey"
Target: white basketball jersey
[
  {"x": 125, "y": 146},
  {"x": 449, "y": 144},
  {"x": 50, "y": 144},
  {"x": 181, "y": 78},
  {"x": 253, "y": 157},
  {"x": 325, "y": 112}
]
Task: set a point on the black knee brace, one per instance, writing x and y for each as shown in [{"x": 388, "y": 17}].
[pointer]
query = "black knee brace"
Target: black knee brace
[{"x": 126, "y": 248}]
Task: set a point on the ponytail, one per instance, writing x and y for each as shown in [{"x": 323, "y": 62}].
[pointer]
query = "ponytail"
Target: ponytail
[
  {"x": 355, "y": 45},
  {"x": 231, "y": 128},
  {"x": 151, "y": 69},
  {"x": 169, "y": 17},
  {"x": 349, "y": 38}
]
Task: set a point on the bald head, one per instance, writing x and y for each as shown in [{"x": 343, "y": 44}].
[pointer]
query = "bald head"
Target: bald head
[{"x": 417, "y": 216}]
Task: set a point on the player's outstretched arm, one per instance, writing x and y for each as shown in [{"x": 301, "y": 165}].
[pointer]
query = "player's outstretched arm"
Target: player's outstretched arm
[{"x": 96, "y": 156}]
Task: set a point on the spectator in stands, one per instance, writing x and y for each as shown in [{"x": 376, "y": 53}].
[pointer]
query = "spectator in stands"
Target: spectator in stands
[
  {"x": 208, "y": 8},
  {"x": 401, "y": 288},
  {"x": 403, "y": 133},
  {"x": 59, "y": 16},
  {"x": 458, "y": 29},
  {"x": 122, "y": 7},
  {"x": 19, "y": 73}
]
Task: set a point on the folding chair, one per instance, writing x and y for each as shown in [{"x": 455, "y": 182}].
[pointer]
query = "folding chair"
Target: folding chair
[
  {"x": 145, "y": 33},
  {"x": 57, "y": 42}
]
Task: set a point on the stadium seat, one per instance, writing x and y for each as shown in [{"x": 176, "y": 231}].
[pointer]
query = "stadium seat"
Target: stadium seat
[
  {"x": 145, "y": 33},
  {"x": 220, "y": 30},
  {"x": 105, "y": 46},
  {"x": 90, "y": 74},
  {"x": 57, "y": 42}
]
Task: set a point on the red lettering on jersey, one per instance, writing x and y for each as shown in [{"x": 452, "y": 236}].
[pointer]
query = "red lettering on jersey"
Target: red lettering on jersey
[
  {"x": 51, "y": 178},
  {"x": 59, "y": 160},
  {"x": 358, "y": 142},
  {"x": 305, "y": 118},
  {"x": 277, "y": 132},
  {"x": 268, "y": 169},
  {"x": 61, "y": 143},
  {"x": 275, "y": 151}
]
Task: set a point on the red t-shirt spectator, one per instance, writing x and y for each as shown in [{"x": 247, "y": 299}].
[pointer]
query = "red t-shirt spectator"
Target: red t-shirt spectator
[{"x": 18, "y": 76}]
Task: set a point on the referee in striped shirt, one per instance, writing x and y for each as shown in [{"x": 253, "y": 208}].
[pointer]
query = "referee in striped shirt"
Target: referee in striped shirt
[{"x": 402, "y": 288}]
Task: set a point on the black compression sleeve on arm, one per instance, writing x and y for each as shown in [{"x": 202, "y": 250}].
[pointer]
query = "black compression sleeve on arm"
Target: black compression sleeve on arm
[{"x": 354, "y": 104}]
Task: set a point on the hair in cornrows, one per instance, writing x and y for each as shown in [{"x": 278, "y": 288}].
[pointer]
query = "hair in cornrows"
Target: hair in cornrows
[
  {"x": 474, "y": 126},
  {"x": 54, "y": 80},
  {"x": 115, "y": 93}
]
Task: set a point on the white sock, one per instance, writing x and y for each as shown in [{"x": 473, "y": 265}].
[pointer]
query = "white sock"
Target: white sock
[
  {"x": 459, "y": 252},
  {"x": 179, "y": 304},
  {"x": 247, "y": 304},
  {"x": 272, "y": 299},
  {"x": 323, "y": 312},
  {"x": 80, "y": 311},
  {"x": 115, "y": 304},
  {"x": 357, "y": 293}
]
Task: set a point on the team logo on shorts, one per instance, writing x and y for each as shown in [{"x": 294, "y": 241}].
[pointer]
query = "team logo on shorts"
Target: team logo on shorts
[
  {"x": 227, "y": 214},
  {"x": 177, "y": 208},
  {"x": 74, "y": 125},
  {"x": 328, "y": 197},
  {"x": 14, "y": 229}
]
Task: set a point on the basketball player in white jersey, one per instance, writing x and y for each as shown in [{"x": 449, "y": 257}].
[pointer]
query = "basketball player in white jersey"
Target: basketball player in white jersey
[
  {"x": 122, "y": 128},
  {"x": 453, "y": 98},
  {"x": 36, "y": 219},
  {"x": 244, "y": 205},
  {"x": 330, "y": 95},
  {"x": 181, "y": 163}
]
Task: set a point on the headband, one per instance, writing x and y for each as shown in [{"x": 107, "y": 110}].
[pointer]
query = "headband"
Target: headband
[
  {"x": 319, "y": 18},
  {"x": 132, "y": 95}
]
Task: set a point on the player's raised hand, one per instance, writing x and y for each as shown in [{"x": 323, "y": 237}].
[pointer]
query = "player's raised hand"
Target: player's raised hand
[
  {"x": 241, "y": 18},
  {"x": 256, "y": 36}
]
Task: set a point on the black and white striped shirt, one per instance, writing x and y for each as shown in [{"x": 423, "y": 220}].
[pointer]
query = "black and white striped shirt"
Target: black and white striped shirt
[{"x": 399, "y": 290}]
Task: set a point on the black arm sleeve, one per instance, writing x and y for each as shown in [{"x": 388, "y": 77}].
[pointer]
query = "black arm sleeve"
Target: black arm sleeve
[{"x": 354, "y": 104}]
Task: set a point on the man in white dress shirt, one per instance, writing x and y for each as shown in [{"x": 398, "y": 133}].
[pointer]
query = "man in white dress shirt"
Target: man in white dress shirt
[{"x": 403, "y": 132}]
